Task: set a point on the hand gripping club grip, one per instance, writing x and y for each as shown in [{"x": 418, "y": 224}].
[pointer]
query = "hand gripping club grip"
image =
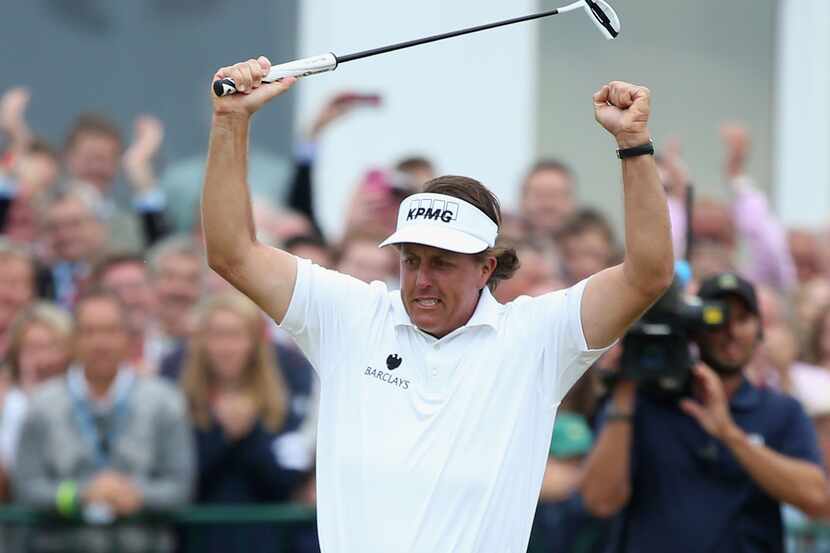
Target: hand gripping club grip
[{"x": 296, "y": 68}]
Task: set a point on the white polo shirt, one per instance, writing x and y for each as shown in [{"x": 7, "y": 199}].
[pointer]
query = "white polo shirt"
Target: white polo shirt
[{"x": 427, "y": 445}]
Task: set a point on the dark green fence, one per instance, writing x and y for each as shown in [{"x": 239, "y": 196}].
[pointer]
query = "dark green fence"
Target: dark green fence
[
  {"x": 20, "y": 524},
  {"x": 187, "y": 527}
]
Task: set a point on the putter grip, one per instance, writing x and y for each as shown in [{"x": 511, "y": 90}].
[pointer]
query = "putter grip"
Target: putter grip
[{"x": 296, "y": 68}]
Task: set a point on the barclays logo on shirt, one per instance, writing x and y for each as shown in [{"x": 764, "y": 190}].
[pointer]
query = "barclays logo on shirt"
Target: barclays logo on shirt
[{"x": 384, "y": 376}]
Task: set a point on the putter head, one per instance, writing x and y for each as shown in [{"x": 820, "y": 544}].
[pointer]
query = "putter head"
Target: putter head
[{"x": 604, "y": 17}]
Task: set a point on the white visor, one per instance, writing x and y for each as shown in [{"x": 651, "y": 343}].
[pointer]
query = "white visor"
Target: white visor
[{"x": 444, "y": 222}]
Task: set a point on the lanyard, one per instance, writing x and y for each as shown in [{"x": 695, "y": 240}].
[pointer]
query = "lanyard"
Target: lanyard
[{"x": 85, "y": 410}]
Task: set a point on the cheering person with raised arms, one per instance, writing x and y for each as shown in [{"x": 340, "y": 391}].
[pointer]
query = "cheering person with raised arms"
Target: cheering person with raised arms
[{"x": 437, "y": 402}]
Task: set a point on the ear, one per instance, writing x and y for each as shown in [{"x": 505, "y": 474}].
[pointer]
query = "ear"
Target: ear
[{"x": 487, "y": 269}]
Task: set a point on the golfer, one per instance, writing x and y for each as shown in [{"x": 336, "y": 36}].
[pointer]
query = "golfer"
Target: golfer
[{"x": 437, "y": 402}]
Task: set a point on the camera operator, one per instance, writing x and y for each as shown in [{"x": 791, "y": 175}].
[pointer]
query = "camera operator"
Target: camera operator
[{"x": 707, "y": 473}]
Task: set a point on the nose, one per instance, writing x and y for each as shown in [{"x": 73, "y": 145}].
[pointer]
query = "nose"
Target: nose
[
  {"x": 423, "y": 279},
  {"x": 731, "y": 327}
]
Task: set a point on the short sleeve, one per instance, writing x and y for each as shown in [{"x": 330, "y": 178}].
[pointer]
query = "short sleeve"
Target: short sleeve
[
  {"x": 797, "y": 438},
  {"x": 329, "y": 312},
  {"x": 554, "y": 322}
]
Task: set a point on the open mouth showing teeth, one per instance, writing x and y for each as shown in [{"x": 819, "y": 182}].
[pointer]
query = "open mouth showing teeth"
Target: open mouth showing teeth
[{"x": 427, "y": 302}]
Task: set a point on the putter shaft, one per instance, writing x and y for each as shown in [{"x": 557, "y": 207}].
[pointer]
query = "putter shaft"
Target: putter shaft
[{"x": 442, "y": 36}]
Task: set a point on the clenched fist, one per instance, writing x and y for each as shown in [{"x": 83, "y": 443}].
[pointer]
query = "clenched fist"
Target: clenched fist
[
  {"x": 252, "y": 93},
  {"x": 623, "y": 109}
]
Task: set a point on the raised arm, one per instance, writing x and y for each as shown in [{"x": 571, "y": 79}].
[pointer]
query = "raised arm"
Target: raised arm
[
  {"x": 264, "y": 274},
  {"x": 616, "y": 297}
]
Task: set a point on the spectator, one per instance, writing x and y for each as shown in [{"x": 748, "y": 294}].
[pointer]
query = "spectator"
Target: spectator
[
  {"x": 514, "y": 227},
  {"x": 178, "y": 276},
  {"x": 17, "y": 287},
  {"x": 818, "y": 344},
  {"x": 275, "y": 224},
  {"x": 292, "y": 368},
  {"x": 13, "y": 124},
  {"x": 127, "y": 276},
  {"x": 239, "y": 407},
  {"x": 361, "y": 258},
  {"x": 709, "y": 258},
  {"x": 806, "y": 251},
  {"x": 562, "y": 524},
  {"x": 540, "y": 271},
  {"x": 419, "y": 170},
  {"x": 103, "y": 442},
  {"x": 93, "y": 154},
  {"x": 812, "y": 297},
  {"x": 373, "y": 208},
  {"x": 548, "y": 198},
  {"x": 39, "y": 349},
  {"x": 748, "y": 216},
  {"x": 75, "y": 236},
  {"x": 818, "y": 407},
  {"x": 310, "y": 247},
  {"x": 34, "y": 173},
  {"x": 708, "y": 474},
  {"x": 300, "y": 195},
  {"x": 586, "y": 241}
]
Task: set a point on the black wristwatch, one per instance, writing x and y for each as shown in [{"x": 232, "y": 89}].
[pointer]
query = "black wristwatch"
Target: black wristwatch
[{"x": 641, "y": 150}]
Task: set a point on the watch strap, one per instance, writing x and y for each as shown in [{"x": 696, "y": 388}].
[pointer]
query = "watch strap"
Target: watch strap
[{"x": 641, "y": 150}]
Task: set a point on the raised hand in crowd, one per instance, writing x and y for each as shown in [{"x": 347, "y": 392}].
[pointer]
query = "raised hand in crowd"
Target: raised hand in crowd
[
  {"x": 737, "y": 143},
  {"x": 673, "y": 169},
  {"x": 13, "y": 105},
  {"x": 338, "y": 106},
  {"x": 139, "y": 158}
]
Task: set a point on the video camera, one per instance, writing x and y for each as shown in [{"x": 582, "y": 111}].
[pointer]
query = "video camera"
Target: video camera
[{"x": 657, "y": 350}]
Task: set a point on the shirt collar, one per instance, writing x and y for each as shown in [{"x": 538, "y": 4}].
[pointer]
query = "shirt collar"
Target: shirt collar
[
  {"x": 487, "y": 311},
  {"x": 747, "y": 396},
  {"x": 118, "y": 389}
]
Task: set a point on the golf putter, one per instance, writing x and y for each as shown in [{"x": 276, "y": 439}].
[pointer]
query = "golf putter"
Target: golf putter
[{"x": 600, "y": 13}]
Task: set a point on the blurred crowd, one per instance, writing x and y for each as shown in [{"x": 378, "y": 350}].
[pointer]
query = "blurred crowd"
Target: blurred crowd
[{"x": 135, "y": 379}]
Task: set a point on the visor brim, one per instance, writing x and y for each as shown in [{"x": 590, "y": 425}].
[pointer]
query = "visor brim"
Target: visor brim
[{"x": 438, "y": 237}]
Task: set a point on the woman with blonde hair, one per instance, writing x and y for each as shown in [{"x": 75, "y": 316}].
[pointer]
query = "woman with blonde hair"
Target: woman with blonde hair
[
  {"x": 247, "y": 450},
  {"x": 40, "y": 348}
]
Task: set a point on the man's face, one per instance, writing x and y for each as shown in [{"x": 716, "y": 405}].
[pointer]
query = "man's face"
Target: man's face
[
  {"x": 806, "y": 253},
  {"x": 95, "y": 158},
  {"x": 73, "y": 232},
  {"x": 16, "y": 288},
  {"x": 362, "y": 259},
  {"x": 440, "y": 289},
  {"x": 713, "y": 221},
  {"x": 535, "y": 276},
  {"x": 130, "y": 283},
  {"x": 734, "y": 344},
  {"x": 178, "y": 286},
  {"x": 102, "y": 341},
  {"x": 318, "y": 255},
  {"x": 548, "y": 199},
  {"x": 585, "y": 254}
]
